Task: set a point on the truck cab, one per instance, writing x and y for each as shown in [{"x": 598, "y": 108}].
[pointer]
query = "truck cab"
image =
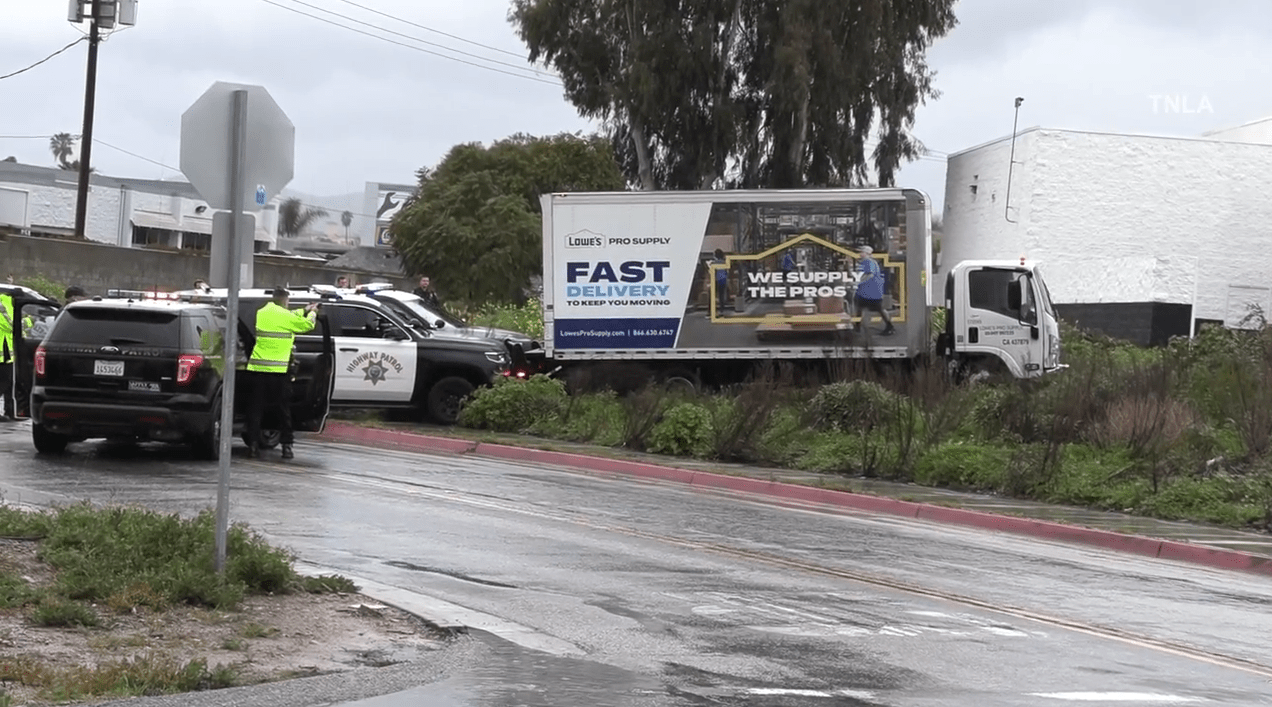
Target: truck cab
[{"x": 1000, "y": 318}]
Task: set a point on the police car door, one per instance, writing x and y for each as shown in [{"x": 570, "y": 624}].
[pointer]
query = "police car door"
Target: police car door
[{"x": 375, "y": 358}]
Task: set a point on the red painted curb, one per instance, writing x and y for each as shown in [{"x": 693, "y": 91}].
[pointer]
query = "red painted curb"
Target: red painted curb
[
  {"x": 1106, "y": 539},
  {"x": 341, "y": 432}
]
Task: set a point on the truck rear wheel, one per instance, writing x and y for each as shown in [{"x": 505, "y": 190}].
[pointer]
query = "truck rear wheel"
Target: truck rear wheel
[
  {"x": 47, "y": 442},
  {"x": 446, "y": 397},
  {"x": 681, "y": 380}
]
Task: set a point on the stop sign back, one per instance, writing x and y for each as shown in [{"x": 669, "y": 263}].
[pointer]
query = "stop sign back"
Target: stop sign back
[{"x": 206, "y": 146}]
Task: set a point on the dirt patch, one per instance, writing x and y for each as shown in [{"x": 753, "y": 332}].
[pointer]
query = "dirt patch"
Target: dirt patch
[{"x": 266, "y": 638}]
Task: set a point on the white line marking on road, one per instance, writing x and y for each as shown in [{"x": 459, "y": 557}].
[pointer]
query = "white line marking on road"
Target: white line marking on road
[
  {"x": 797, "y": 692},
  {"x": 1117, "y": 697}
]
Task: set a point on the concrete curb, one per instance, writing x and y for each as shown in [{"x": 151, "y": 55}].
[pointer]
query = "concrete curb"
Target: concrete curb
[{"x": 1106, "y": 539}]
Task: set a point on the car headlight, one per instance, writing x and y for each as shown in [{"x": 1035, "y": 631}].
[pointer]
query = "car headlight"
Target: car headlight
[{"x": 498, "y": 357}]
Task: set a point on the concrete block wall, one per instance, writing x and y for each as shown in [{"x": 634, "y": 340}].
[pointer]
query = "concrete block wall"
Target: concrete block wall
[{"x": 99, "y": 267}]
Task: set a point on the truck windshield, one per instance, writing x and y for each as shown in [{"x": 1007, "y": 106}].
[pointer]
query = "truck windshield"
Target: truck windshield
[{"x": 1046, "y": 294}]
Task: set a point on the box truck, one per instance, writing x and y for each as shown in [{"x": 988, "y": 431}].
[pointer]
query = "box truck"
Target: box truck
[{"x": 700, "y": 286}]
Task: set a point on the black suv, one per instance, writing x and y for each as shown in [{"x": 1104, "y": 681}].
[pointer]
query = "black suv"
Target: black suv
[{"x": 152, "y": 370}]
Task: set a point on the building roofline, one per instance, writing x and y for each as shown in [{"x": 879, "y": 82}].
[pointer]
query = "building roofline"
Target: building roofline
[
  {"x": 1178, "y": 138},
  {"x": 55, "y": 176},
  {"x": 1257, "y": 121}
]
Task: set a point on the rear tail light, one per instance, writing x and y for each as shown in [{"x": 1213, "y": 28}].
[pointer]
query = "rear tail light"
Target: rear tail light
[
  {"x": 39, "y": 361},
  {"x": 187, "y": 364}
]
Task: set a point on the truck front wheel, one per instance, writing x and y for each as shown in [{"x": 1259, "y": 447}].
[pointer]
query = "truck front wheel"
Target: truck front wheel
[{"x": 446, "y": 397}]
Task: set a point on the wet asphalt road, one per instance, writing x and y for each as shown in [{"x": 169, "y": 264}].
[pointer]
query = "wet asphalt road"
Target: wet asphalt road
[{"x": 600, "y": 591}]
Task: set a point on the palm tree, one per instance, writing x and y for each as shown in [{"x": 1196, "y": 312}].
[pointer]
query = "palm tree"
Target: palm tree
[
  {"x": 346, "y": 218},
  {"x": 294, "y": 217},
  {"x": 62, "y": 145}
]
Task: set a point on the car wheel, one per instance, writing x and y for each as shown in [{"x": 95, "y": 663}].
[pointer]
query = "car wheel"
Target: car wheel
[
  {"x": 208, "y": 444},
  {"x": 269, "y": 439},
  {"x": 47, "y": 442},
  {"x": 446, "y": 398}
]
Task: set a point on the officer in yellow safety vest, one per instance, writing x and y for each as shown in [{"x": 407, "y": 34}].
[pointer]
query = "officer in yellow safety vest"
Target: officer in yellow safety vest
[
  {"x": 268, "y": 367},
  {"x": 6, "y": 355}
]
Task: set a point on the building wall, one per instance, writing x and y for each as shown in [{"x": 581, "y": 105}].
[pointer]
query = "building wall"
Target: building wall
[
  {"x": 55, "y": 207},
  {"x": 1125, "y": 219},
  {"x": 974, "y": 224},
  {"x": 98, "y": 267}
]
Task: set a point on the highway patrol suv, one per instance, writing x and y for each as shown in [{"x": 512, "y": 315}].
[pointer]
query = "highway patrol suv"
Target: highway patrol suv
[{"x": 382, "y": 360}]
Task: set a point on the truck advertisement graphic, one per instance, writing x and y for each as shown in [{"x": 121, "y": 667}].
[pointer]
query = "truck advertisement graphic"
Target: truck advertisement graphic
[{"x": 714, "y": 273}]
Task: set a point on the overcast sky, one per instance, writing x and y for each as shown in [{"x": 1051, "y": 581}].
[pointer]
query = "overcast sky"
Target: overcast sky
[{"x": 367, "y": 110}]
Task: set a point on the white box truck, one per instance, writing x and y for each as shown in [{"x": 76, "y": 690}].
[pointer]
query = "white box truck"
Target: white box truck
[{"x": 700, "y": 286}]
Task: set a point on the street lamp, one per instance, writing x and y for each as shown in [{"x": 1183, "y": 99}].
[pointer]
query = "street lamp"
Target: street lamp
[{"x": 101, "y": 14}]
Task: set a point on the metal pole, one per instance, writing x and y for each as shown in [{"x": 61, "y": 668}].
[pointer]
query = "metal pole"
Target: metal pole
[
  {"x": 1011, "y": 161},
  {"x": 86, "y": 136},
  {"x": 238, "y": 163}
]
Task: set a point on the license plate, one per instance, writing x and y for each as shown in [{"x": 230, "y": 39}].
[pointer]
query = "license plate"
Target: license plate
[
  {"x": 108, "y": 368},
  {"x": 143, "y": 385}
]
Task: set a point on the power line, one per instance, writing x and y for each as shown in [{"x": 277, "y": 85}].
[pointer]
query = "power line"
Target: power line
[
  {"x": 19, "y": 71},
  {"x": 102, "y": 142},
  {"x": 430, "y": 29},
  {"x": 519, "y": 67},
  {"x": 409, "y": 46}
]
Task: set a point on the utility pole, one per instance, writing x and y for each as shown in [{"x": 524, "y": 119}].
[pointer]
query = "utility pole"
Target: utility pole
[
  {"x": 86, "y": 136},
  {"x": 107, "y": 14}
]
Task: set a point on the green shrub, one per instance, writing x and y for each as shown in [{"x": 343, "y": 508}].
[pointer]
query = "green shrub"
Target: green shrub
[
  {"x": 598, "y": 418},
  {"x": 512, "y": 405},
  {"x": 526, "y": 319},
  {"x": 832, "y": 452},
  {"x": 14, "y": 591},
  {"x": 963, "y": 466},
  {"x": 684, "y": 430},
  {"x": 53, "y": 289},
  {"x": 787, "y": 437},
  {"x": 55, "y": 612},
  {"x": 852, "y": 405}
]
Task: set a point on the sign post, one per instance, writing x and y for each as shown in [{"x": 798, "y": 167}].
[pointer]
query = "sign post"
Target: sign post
[{"x": 236, "y": 159}]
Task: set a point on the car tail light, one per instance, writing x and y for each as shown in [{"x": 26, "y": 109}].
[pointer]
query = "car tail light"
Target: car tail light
[
  {"x": 187, "y": 364},
  {"x": 39, "y": 361}
]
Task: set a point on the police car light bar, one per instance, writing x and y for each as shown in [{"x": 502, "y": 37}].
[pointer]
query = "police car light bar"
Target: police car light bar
[{"x": 373, "y": 287}]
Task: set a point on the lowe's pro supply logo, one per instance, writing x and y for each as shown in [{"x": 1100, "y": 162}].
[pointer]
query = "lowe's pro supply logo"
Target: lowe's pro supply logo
[
  {"x": 631, "y": 283},
  {"x": 588, "y": 238},
  {"x": 375, "y": 366}
]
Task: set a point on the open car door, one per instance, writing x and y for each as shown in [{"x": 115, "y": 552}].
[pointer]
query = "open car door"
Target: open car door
[{"x": 33, "y": 315}]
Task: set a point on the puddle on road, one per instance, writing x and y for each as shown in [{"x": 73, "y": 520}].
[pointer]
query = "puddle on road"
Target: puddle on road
[{"x": 510, "y": 675}]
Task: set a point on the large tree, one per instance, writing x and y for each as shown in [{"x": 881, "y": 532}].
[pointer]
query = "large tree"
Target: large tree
[
  {"x": 744, "y": 93},
  {"x": 474, "y": 224}
]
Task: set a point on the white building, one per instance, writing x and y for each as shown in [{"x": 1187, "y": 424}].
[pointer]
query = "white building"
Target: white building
[
  {"x": 1137, "y": 234},
  {"x": 124, "y": 212}
]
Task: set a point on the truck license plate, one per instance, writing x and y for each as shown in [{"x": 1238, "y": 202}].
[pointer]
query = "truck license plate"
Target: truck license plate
[
  {"x": 108, "y": 368},
  {"x": 148, "y": 386}
]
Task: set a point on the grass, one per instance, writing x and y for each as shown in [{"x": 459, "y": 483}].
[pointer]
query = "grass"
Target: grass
[
  {"x": 252, "y": 629},
  {"x": 122, "y": 559},
  {"x": 149, "y": 674}
]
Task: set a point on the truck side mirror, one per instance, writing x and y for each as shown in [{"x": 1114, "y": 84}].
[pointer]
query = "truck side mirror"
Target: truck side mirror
[
  {"x": 439, "y": 323},
  {"x": 1015, "y": 295}
]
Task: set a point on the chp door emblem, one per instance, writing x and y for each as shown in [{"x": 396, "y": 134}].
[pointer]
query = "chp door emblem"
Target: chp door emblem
[
  {"x": 374, "y": 371},
  {"x": 375, "y": 366}
]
